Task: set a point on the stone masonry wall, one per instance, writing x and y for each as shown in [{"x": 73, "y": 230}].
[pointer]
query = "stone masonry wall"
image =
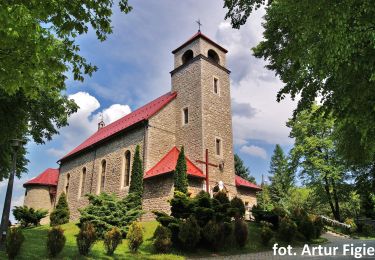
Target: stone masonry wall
[
  {"x": 113, "y": 152},
  {"x": 249, "y": 198},
  {"x": 37, "y": 197}
]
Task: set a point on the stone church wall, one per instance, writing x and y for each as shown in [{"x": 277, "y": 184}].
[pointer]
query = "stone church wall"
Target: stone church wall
[
  {"x": 249, "y": 198},
  {"x": 37, "y": 197},
  {"x": 113, "y": 152}
]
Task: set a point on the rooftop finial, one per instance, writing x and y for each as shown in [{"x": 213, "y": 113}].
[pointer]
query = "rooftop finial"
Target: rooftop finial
[
  {"x": 101, "y": 123},
  {"x": 199, "y": 25}
]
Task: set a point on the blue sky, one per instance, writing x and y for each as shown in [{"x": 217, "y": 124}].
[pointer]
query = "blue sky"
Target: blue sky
[{"x": 134, "y": 65}]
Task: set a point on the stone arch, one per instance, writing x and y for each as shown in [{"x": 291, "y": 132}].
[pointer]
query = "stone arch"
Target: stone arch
[
  {"x": 188, "y": 55},
  {"x": 211, "y": 54}
]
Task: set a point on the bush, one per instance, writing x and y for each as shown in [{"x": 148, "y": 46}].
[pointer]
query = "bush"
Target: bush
[
  {"x": 60, "y": 215},
  {"x": 28, "y": 216},
  {"x": 55, "y": 241},
  {"x": 241, "y": 232},
  {"x": 162, "y": 239},
  {"x": 368, "y": 230},
  {"x": 318, "y": 225},
  {"x": 287, "y": 229},
  {"x": 266, "y": 232},
  {"x": 135, "y": 236},
  {"x": 221, "y": 207},
  {"x": 237, "y": 208},
  {"x": 189, "y": 234},
  {"x": 353, "y": 226},
  {"x": 86, "y": 238},
  {"x": 213, "y": 235},
  {"x": 112, "y": 239},
  {"x": 13, "y": 242},
  {"x": 307, "y": 229}
]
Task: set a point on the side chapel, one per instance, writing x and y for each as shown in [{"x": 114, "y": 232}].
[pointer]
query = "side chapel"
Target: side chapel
[{"x": 196, "y": 114}]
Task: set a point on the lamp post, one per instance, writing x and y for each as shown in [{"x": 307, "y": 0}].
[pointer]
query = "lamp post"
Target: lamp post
[{"x": 15, "y": 144}]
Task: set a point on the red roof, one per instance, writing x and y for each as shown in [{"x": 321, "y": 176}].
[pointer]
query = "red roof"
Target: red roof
[
  {"x": 168, "y": 164},
  {"x": 142, "y": 113},
  {"x": 240, "y": 182},
  {"x": 49, "y": 177},
  {"x": 197, "y": 35}
]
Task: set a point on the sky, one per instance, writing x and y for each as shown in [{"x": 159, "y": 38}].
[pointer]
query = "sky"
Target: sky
[{"x": 134, "y": 65}]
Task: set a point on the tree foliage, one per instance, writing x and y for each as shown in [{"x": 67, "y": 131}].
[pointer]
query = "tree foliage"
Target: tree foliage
[
  {"x": 136, "y": 179},
  {"x": 241, "y": 170},
  {"x": 327, "y": 52},
  {"x": 29, "y": 216},
  {"x": 60, "y": 215},
  {"x": 180, "y": 173},
  {"x": 37, "y": 49}
]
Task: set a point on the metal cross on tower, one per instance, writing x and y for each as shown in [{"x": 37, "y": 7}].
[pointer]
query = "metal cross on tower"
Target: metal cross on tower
[
  {"x": 199, "y": 25},
  {"x": 207, "y": 163}
]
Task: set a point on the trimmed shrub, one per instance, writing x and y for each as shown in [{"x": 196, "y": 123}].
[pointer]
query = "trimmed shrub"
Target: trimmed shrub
[
  {"x": 212, "y": 234},
  {"x": 221, "y": 207},
  {"x": 287, "y": 229},
  {"x": 237, "y": 208},
  {"x": 55, "y": 241},
  {"x": 266, "y": 232},
  {"x": 307, "y": 228},
  {"x": 180, "y": 174},
  {"x": 112, "y": 239},
  {"x": 241, "y": 232},
  {"x": 29, "y": 216},
  {"x": 181, "y": 205},
  {"x": 86, "y": 238},
  {"x": 13, "y": 241},
  {"x": 135, "y": 236},
  {"x": 189, "y": 234},
  {"x": 318, "y": 225},
  {"x": 136, "y": 178},
  {"x": 60, "y": 215},
  {"x": 162, "y": 239}
]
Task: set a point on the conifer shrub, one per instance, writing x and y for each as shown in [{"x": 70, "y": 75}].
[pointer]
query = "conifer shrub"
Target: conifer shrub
[
  {"x": 13, "y": 241},
  {"x": 241, "y": 232},
  {"x": 60, "y": 215},
  {"x": 162, "y": 239},
  {"x": 181, "y": 205},
  {"x": 28, "y": 216},
  {"x": 287, "y": 229},
  {"x": 266, "y": 232},
  {"x": 189, "y": 233},
  {"x": 237, "y": 208},
  {"x": 86, "y": 238},
  {"x": 214, "y": 234},
  {"x": 180, "y": 173},
  {"x": 112, "y": 239},
  {"x": 221, "y": 207},
  {"x": 136, "y": 179},
  {"x": 318, "y": 225},
  {"x": 135, "y": 236},
  {"x": 307, "y": 228},
  {"x": 55, "y": 241}
]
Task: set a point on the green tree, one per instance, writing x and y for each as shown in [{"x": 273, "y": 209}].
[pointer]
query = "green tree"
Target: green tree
[
  {"x": 37, "y": 49},
  {"x": 60, "y": 215},
  {"x": 241, "y": 170},
  {"x": 322, "y": 49},
  {"x": 136, "y": 179},
  {"x": 315, "y": 153},
  {"x": 180, "y": 173},
  {"x": 282, "y": 178}
]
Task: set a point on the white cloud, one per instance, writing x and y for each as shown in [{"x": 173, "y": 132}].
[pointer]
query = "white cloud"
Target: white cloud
[{"x": 254, "y": 151}]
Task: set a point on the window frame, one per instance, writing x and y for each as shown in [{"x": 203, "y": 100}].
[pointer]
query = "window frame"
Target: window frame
[
  {"x": 220, "y": 146},
  {"x": 126, "y": 169},
  {"x": 185, "y": 116},
  {"x": 217, "y": 81}
]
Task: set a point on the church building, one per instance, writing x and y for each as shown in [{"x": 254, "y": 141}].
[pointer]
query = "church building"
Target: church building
[{"x": 195, "y": 114}]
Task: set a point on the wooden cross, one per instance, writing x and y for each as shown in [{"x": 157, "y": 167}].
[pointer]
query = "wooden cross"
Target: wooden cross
[
  {"x": 199, "y": 25},
  {"x": 207, "y": 163}
]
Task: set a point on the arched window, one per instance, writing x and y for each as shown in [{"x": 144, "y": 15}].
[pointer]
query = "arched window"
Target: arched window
[
  {"x": 127, "y": 158},
  {"x": 101, "y": 178},
  {"x": 83, "y": 181},
  {"x": 188, "y": 55},
  {"x": 213, "y": 56},
  {"x": 67, "y": 182}
]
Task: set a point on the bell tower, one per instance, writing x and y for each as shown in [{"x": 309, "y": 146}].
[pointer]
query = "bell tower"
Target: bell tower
[{"x": 203, "y": 106}]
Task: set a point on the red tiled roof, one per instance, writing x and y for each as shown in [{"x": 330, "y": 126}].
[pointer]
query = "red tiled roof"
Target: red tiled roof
[
  {"x": 136, "y": 116},
  {"x": 168, "y": 164},
  {"x": 199, "y": 34},
  {"x": 49, "y": 177},
  {"x": 244, "y": 183}
]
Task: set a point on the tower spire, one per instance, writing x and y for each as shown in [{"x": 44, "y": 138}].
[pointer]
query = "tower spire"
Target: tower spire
[{"x": 101, "y": 123}]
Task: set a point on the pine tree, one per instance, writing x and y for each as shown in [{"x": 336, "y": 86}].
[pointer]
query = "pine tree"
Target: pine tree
[
  {"x": 281, "y": 178},
  {"x": 61, "y": 213},
  {"x": 136, "y": 180},
  {"x": 180, "y": 173},
  {"x": 241, "y": 170}
]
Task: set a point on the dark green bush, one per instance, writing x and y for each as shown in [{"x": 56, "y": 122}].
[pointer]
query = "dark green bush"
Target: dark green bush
[
  {"x": 307, "y": 228},
  {"x": 266, "y": 232},
  {"x": 221, "y": 207},
  {"x": 28, "y": 216},
  {"x": 318, "y": 225},
  {"x": 287, "y": 229},
  {"x": 112, "y": 239},
  {"x": 203, "y": 210},
  {"x": 189, "y": 233},
  {"x": 181, "y": 205},
  {"x": 13, "y": 241},
  {"x": 135, "y": 236},
  {"x": 237, "y": 208},
  {"x": 353, "y": 226},
  {"x": 86, "y": 238},
  {"x": 213, "y": 235},
  {"x": 368, "y": 230},
  {"x": 162, "y": 239},
  {"x": 60, "y": 215},
  {"x": 55, "y": 241},
  {"x": 241, "y": 232}
]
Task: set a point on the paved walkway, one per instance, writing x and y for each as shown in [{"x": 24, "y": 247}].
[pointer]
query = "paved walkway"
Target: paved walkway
[{"x": 327, "y": 248}]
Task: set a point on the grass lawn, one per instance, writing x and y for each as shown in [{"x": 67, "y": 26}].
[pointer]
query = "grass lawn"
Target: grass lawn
[{"x": 34, "y": 246}]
